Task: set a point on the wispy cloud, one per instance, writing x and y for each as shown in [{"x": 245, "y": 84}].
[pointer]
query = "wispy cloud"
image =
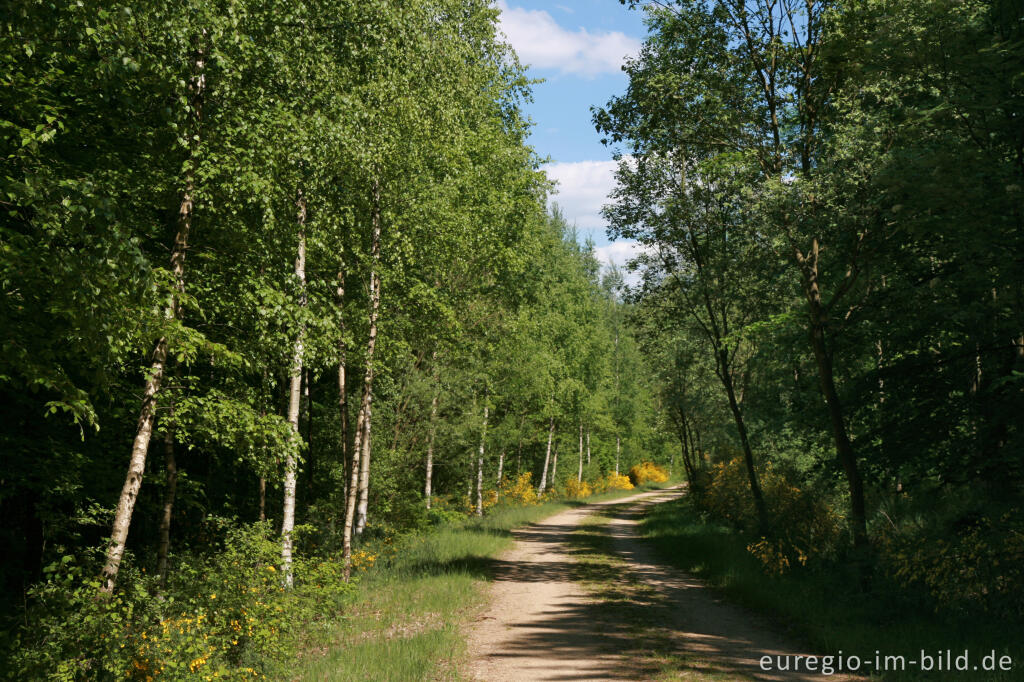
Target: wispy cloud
[
  {"x": 618, "y": 253},
  {"x": 583, "y": 187},
  {"x": 542, "y": 43}
]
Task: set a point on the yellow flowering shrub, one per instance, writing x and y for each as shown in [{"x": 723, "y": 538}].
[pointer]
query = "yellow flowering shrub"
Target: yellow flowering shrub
[
  {"x": 489, "y": 499},
  {"x": 647, "y": 472},
  {"x": 362, "y": 560},
  {"x": 805, "y": 527},
  {"x": 613, "y": 482},
  {"x": 519, "y": 490},
  {"x": 577, "y": 489}
]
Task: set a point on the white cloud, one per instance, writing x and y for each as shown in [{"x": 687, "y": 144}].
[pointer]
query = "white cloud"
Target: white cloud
[
  {"x": 583, "y": 187},
  {"x": 617, "y": 253},
  {"x": 542, "y": 43}
]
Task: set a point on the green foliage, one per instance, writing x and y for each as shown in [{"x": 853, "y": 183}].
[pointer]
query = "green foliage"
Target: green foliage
[
  {"x": 223, "y": 612},
  {"x": 826, "y": 194}
]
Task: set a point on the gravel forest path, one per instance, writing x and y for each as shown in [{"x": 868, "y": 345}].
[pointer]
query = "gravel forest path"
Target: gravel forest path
[{"x": 541, "y": 623}]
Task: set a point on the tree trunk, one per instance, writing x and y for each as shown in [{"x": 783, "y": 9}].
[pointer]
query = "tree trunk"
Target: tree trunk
[
  {"x": 519, "y": 446},
  {"x": 263, "y": 498},
  {"x": 310, "y": 467},
  {"x": 618, "y": 449},
  {"x": 371, "y": 344},
  {"x": 501, "y": 468},
  {"x": 291, "y": 463},
  {"x": 748, "y": 455},
  {"x": 154, "y": 377},
  {"x": 480, "y": 468},
  {"x": 579, "y": 475},
  {"x": 428, "y": 486},
  {"x": 363, "y": 503},
  {"x": 554, "y": 463},
  {"x": 342, "y": 382},
  {"x": 844, "y": 448},
  {"x": 685, "y": 449},
  {"x": 547, "y": 458},
  {"x": 588, "y": 447},
  {"x": 170, "y": 491},
  {"x": 350, "y": 498}
]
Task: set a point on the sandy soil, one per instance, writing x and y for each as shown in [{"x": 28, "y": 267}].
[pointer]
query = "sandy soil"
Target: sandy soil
[{"x": 541, "y": 625}]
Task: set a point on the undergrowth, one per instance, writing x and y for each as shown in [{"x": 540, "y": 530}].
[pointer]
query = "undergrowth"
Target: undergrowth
[{"x": 826, "y": 605}]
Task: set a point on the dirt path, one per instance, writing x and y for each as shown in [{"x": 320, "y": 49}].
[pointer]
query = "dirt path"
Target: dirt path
[{"x": 541, "y": 625}]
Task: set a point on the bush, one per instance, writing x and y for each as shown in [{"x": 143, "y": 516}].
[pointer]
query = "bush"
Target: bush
[
  {"x": 577, "y": 489},
  {"x": 224, "y": 616},
  {"x": 647, "y": 472},
  {"x": 970, "y": 565},
  {"x": 519, "y": 491},
  {"x": 803, "y": 526},
  {"x": 613, "y": 482}
]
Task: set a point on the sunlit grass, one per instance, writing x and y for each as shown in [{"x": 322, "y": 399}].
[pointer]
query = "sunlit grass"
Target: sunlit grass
[{"x": 406, "y": 620}]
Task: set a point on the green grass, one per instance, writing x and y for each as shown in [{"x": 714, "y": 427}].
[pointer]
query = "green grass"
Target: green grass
[
  {"x": 825, "y": 608},
  {"x": 405, "y": 620}
]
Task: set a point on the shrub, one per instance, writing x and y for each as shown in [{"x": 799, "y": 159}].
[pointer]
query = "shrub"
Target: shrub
[
  {"x": 577, "y": 489},
  {"x": 519, "y": 491},
  {"x": 803, "y": 526},
  {"x": 224, "y": 616},
  {"x": 647, "y": 472},
  {"x": 613, "y": 482},
  {"x": 971, "y": 566}
]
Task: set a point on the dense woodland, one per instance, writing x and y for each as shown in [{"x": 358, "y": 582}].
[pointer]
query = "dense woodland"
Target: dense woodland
[
  {"x": 277, "y": 277},
  {"x": 279, "y": 282},
  {"x": 830, "y": 201}
]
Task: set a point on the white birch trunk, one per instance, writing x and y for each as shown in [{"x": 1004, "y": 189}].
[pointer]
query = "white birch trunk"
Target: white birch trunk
[
  {"x": 480, "y": 468},
  {"x": 154, "y": 377},
  {"x": 291, "y": 463},
  {"x": 342, "y": 381},
  {"x": 428, "y": 485},
  {"x": 371, "y": 344},
  {"x": 501, "y": 468},
  {"x": 352, "y": 494},
  {"x": 618, "y": 448},
  {"x": 588, "y": 447},
  {"x": 579, "y": 476},
  {"x": 554, "y": 463},
  {"x": 547, "y": 458}
]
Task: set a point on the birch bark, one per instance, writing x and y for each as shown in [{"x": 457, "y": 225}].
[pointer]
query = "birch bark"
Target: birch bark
[
  {"x": 154, "y": 377},
  {"x": 480, "y": 468},
  {"x": 579, "y": 475},
  {"x": 371, "y": 344},
  {"x": 291, "y": 463},
  {"x": 170, "y": 492},
  {"x": 547, "y": 458},
  {"x": 428, "y": 485}
]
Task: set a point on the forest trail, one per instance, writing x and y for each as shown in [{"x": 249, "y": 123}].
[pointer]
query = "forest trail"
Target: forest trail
[{"x": 540, "y": 624}]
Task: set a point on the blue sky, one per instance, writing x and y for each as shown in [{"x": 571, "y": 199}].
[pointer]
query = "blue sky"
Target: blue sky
[{"x": 578, "y": 47}]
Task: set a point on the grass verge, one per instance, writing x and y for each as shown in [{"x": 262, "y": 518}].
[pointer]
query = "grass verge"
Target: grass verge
[
  {"x": 824, "y": 607},
  {"x": 404, "y": 622}
]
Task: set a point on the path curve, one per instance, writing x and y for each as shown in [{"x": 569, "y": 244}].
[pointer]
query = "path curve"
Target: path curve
[{"x": 541, "y": 625}]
